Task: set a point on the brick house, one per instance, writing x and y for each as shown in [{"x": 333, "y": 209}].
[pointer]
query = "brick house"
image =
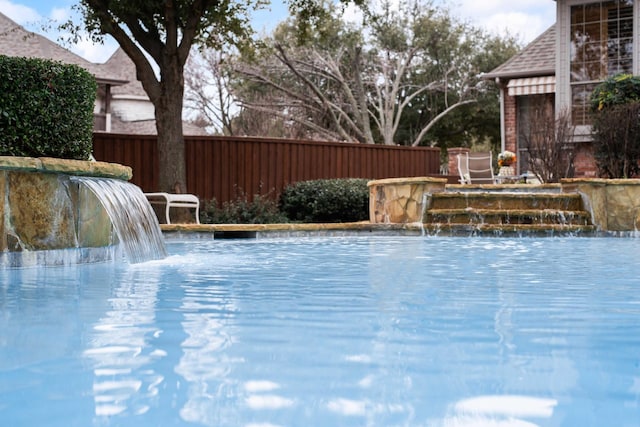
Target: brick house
[
  {"x": 590, "y": 41},
  {"x": 122, "y": 105}
]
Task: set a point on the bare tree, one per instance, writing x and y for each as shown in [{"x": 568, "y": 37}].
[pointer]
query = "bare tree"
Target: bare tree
[
  {"x": 306, "y": 88},
  {"x": 207, "y": 95},
  {"x": 617, "y": 140},
  {"x": 549, "y": 139},
  {"x": 361, "y": 90}
]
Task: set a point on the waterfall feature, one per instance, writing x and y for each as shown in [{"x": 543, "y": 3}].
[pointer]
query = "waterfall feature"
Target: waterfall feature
[{"x": 132, "y": 217}]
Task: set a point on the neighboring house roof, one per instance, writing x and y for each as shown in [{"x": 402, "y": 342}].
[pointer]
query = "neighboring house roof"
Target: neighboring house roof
[
  {"x": 119, "y": 71},
  {"x": 16, "y": 41},
  {"x": 538, "y": 58},
  {"x": 119, "y": 64},
  {"x": 148, "y": 127}
]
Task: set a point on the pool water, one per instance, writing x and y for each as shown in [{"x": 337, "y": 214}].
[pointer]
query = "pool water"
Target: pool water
[{"x": 380, "y": 331}]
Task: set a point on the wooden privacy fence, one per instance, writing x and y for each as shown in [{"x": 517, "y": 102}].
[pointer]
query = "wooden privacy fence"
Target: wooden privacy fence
[{"x": 221, "y": 167}]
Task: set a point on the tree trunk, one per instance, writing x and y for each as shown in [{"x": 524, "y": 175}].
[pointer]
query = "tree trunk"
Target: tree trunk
[{"x": 171, "y": 147}]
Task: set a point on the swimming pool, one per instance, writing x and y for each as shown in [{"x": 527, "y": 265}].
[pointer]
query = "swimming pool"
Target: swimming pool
[{"x": 353, "y": 331}]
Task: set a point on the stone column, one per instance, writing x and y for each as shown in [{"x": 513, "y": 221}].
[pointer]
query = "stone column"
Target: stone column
[
  {"x": 401, "y": 200},
  {"x": 614, "y": 203}
]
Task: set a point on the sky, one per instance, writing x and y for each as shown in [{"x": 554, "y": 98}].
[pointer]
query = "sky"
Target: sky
[{"x": 525, "y": 19}]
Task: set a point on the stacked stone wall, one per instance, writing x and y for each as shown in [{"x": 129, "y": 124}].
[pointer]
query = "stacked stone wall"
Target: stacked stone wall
[{"x": 42, "y": 210}]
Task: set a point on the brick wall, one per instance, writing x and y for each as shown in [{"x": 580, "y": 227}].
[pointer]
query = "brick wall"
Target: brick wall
[
  {"x": 584, "y": 164},
  {"x": 453, "y": 159}
]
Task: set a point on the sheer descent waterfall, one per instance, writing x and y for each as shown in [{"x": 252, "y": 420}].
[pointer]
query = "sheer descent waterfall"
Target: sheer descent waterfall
[{"x": 132, "y": 217}]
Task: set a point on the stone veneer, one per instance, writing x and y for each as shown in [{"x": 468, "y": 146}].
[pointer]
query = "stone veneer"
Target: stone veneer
[
  {"x": 46, "y": 218},
  {"x": 614, "y": 203},
  {"x": 401, "y": 200}
]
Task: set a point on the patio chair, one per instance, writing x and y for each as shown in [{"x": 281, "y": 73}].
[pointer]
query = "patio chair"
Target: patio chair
[
  {"x": 476, "y": 168},
  {"x": 463, "y": 168}
]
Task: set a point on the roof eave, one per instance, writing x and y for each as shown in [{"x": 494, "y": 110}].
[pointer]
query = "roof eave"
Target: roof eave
[
  {"x": 519, "y": 74},
  {"x": 112, "y": 82}
]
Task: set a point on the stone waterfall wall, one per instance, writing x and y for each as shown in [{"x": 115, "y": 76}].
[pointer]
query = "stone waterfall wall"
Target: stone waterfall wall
[
  {"x": 614, "y": 203},
  {"x": 46, "y": 218},
  {"x": 401, "y": 200}
]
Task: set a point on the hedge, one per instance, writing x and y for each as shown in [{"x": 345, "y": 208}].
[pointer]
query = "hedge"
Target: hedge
[
  {"x": 46, "y": 109},
  {"x": 326, "y": 200}
]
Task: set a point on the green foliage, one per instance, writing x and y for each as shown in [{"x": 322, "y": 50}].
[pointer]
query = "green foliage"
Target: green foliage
[
  {"x": 310, "y": 15},
  {"x": 46, "y": 109},
  {"x": 615, "y": 104},
  {"x": 260, "y": 210},
  {"x": 616, "y": 90},
  {"x": 326, "y": 200}
]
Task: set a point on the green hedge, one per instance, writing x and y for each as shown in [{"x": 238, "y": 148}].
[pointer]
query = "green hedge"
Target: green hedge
[
  {"x": 326, "y": 200},
  {"x": 46, "y": 109}
]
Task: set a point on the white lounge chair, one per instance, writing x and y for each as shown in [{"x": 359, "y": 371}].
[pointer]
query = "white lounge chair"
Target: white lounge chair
[
  {"x": 175, "y": 201},
  {"x": 476, "y": 168}
]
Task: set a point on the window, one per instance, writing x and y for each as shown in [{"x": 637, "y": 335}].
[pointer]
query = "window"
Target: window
[{"x": 601, "y": 46}]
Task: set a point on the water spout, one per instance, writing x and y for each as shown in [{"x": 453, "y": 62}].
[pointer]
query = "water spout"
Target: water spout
[{"x": 132, "y": 217}]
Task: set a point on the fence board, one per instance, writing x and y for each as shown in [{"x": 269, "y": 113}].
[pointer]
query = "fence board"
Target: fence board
[{"x": 221, "y": 166}]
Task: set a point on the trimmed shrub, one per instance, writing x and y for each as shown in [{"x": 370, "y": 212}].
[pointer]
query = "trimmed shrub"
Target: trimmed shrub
[
  {"x": 326, "y": 200},
  {"x": 46, "y": 109},
  {"x": 260, "y": 210}
]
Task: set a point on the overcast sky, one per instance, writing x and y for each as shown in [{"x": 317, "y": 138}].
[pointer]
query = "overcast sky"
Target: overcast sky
[{"x": 523, "y": 18}]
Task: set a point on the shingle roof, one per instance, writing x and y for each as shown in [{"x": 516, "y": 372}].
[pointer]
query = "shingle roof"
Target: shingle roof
[
  {"x": 538, "y": 58},
  {"x": 16, "y": 41},
  {"x": 119, "y": 64},
  {"x": 148, "y": 127},
  {"x": 118, "y": 71}
]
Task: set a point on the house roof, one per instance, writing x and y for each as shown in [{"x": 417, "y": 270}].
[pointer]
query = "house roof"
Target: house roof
[
  {"x": 148, "y": 127},
  {"x": 119, "y": 71},
  {"x": 16, "y": 41},
  {"x": 120, "y": 65},
  {"x": 538, "y": 58}
]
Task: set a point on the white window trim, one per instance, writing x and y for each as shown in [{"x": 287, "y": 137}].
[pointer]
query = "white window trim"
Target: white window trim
[{"x": 563, "y": 54}]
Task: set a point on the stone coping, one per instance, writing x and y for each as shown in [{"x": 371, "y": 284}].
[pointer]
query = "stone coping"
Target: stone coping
[
  {"x": 413, "y": 180},
  {"x": 600, "y": 181},
  {"x": 197, "y": 231},
  {"x": 348, "y": 226},
  {"x": 277, "y": 231},
  {"x": 518, "y": 187},
  {"x": 65, "y": 166}
]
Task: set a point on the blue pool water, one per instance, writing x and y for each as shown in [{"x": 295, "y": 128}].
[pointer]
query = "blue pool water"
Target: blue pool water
[{"x": 329, "y": 332}]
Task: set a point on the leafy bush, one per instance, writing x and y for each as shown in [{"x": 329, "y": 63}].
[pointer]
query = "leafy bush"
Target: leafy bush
[
  {"x": 260, "y": 210},
  {"x": 615, "y": 104},
  {"x": 617, "y": 90},
  {"x": 326, "y": 200},
  {"x": 46, "y": 109}
]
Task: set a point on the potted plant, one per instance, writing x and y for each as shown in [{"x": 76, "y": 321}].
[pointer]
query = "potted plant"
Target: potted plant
[{"x": 506, "y": 162}]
